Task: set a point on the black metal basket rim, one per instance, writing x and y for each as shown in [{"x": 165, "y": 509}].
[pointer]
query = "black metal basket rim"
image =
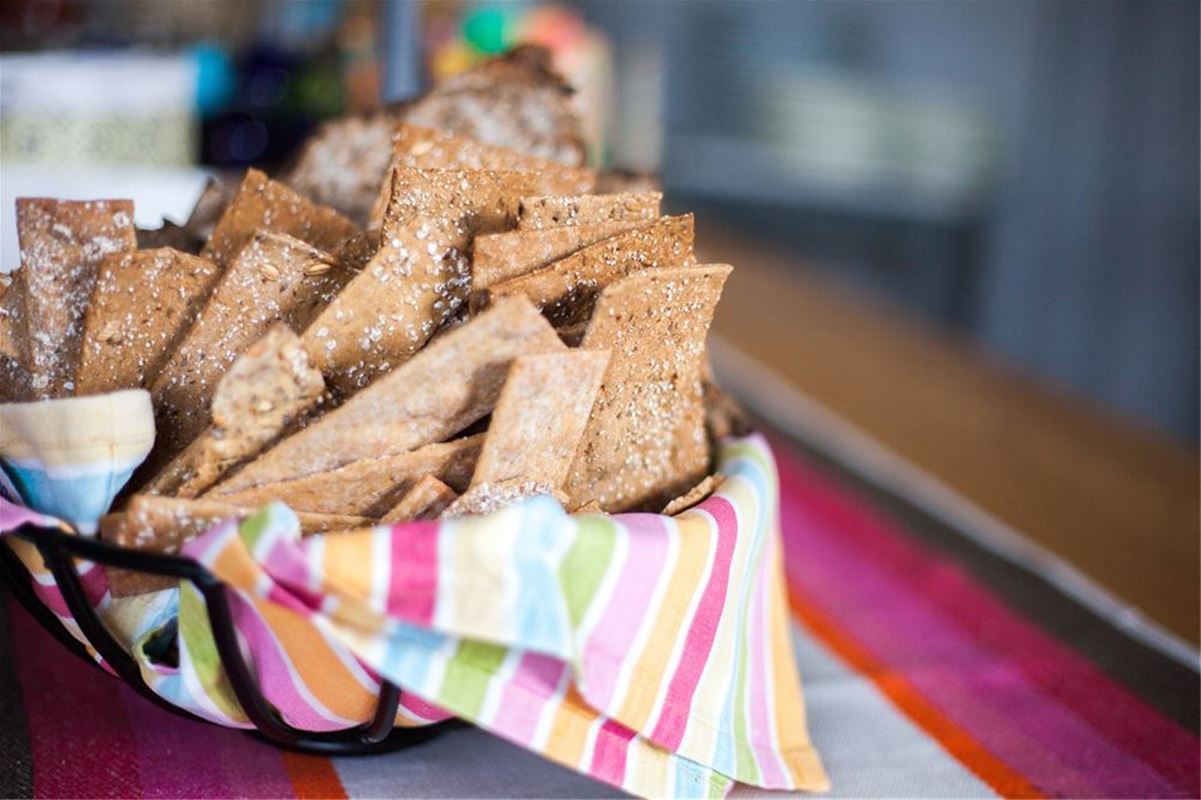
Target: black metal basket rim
[{"x": 59, "y": 549}]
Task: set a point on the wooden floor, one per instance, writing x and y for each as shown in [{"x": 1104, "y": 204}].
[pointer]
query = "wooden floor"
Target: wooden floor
[{"x": 1118, "y": 502}]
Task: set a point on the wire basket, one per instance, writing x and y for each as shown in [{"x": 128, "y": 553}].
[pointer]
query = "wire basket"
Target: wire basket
[{"x": 59, "y": 551}]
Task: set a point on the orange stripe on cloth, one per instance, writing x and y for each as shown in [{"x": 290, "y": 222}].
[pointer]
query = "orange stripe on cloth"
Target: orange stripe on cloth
[
  {"x": 1002, "y": 778},
  {"x": 313, "y": 777}
]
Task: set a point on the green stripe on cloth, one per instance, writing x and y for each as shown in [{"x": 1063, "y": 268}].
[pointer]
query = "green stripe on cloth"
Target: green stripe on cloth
[
  {"x": 586, "y": 563},
  {"x": 467, "y": 675}
]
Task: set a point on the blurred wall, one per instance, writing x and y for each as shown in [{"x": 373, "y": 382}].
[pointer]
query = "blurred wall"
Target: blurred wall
[{"x": 1023, "y": 172}]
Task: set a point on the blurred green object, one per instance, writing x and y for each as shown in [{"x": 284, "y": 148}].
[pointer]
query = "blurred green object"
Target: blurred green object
[{"x": 490, "y": 29}]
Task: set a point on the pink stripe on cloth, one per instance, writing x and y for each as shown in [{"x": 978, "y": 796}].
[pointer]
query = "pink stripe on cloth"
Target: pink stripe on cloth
[
  {"x": 524, "y": 696},
  {"x": 413, "y": 589},
  {"x": 762, "y": 714},
  {"x": 614, "y": 633},
  {"x": 609, "y": 755},
  {"x": 669, "y": 729},
  {"x": 278, "y": 680},
  {"x": 423, "y": 710},
  {"x": 842, "y": 556},
  {"x": 12, "y": 516}
]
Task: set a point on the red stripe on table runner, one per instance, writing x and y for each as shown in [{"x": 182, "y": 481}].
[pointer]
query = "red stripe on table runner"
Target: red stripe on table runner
[
  {"x": 1057, "y": 669},
  {"x": 958, "y": 742},
  {"x": 313, "y": 777},
  {"x": 677, "y": 705},
  {"x": 79, "y": 736},
  {"x": 1022, "y": 695}
]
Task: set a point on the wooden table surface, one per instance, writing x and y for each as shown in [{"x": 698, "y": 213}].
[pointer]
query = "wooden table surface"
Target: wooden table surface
[{"x": 1118, "y": 502}]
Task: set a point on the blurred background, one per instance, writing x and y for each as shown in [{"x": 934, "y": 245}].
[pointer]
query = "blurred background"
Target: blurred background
[{"x": 1022, "y": 176}]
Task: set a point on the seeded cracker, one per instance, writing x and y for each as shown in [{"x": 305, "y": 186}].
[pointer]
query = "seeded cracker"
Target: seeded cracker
[
  {"x": 343, "y": 163},
  {"x": 482, "y": 201},
  {"x": 268, "y": 388},
  {"x": 426, "y": 500},
  {"x": 516, "y": 100},
  {"x": 447, "y": 386},
  {"x": 14, "y": 380},
  {"x": 485, "y": 498},
  {"x": 645, "y": 442},
  {"x": 540, "y": 417},
  {"x": 273, "y": 278},
  {"x": 164, "y": 524},
  {"x": 262, "y": 204},
  {"x": 142, "y": 305},
  {"x": 413, "y": 283},
  {"x": 693, "y": 496},
  {"x": 369, "y": 486},
  {"x": 427, "y": 148},
  {"x": 566, "y": 290},
  {"x": 62, "y": 243},
  {"x": 500, "y": 256},
  {"x": 537, "y": 213}
]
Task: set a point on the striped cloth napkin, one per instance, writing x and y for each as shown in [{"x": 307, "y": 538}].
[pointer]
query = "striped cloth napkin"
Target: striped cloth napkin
[{"x": 649, "y": 652}]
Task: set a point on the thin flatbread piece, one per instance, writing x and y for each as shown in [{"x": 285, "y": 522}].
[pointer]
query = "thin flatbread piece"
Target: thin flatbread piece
[
  {"x": 263, "y": 204},
  {"x": 645, "y": 442},
  {"x": 447, "y": 386},
  {"x": 273, "y": 278},
  {"x": 62, "y": 245},
  {"x": 428, "y": 498},
  {"x": 566, "y": 290},
  {"x": 142, "y": 306},
  {"x": 498, "y": 257},
  {"x": 483, "y": 201},
  {"x": 426, "y": 148},
  {"x": 538, "y": 213},
  {"x": 369, "y": 486},
  {"x": 268, "y": 388},
  {"x": 539, "y": 418}
]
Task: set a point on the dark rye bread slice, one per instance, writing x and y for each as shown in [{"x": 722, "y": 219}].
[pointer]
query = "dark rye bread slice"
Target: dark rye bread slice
[
  {"x": 535, "y": 213},
  {"x": 645, "y": 442},
  {"x": 369, "y": 486},
  {"x": 344, "y": 164},
  {"x": 142, "y": 305},
  {"x": 566, "y": 290},
  {"x": 516, "y": 101},
  {"x": 274, "y": 278},
  {"x": 497, "y": 257},
  {"x": 447, "y": 386},
  {"x": 428, "y": 498},
  {"x": 157, "y": 524},
  {"x": 425, "y": 148},
  {"x": 262, "y": 204},
  {"x": 62, "y": 244},
  {"x": 269, "y": 387}
]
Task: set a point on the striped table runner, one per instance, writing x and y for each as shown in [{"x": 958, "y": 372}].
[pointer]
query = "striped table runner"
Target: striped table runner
[{"x": 932, "y": 667}]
